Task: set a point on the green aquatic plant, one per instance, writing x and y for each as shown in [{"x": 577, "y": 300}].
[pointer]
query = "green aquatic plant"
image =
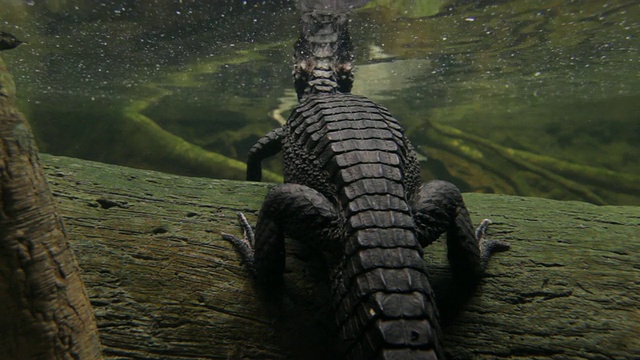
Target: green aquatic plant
[
  {"x": 587, "y": 182},
  {"x": 145, "y": 134}
]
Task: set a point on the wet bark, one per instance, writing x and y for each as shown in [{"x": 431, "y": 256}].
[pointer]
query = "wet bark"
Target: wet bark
[
  {"x": 44, "y": 310},
  {"x": 166, "y": 286}
]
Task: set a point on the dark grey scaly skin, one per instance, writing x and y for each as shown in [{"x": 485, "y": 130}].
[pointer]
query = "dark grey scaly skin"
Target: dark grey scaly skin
[{"x": 352, "y": 187}]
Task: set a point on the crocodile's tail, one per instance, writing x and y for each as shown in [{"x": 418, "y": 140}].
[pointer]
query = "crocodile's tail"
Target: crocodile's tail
[{"x": 385, "y": 306}]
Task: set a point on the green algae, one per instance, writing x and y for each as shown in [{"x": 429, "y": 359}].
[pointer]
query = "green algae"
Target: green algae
[
  {"x": 7, "y": 86},
  {"x": 408, "y": 8}
]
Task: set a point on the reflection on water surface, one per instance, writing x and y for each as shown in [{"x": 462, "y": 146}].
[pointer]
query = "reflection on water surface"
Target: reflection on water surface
[{"x": 520, "y": 97}]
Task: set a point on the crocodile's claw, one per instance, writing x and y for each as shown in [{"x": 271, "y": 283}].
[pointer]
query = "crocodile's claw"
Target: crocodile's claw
[
  {"x": 245, "y": 245},
  {"x": 488, "y": 247}
]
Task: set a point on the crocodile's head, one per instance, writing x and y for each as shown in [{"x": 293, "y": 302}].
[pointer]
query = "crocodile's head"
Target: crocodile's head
[{"x": 324, "y": 57}]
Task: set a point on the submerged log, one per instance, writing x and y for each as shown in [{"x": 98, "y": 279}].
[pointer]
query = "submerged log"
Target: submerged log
[
  {"x": 164, "y": 285},
  {"x": 44, "y": 311}
]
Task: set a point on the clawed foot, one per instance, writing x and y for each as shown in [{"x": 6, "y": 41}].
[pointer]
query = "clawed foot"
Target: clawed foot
[
  {"x": 245, "y": 245},
  {"x": 488, "y": 247}
]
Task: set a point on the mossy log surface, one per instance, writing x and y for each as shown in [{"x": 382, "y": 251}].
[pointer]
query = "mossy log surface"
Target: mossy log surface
[{"x": 164, "y": 285}]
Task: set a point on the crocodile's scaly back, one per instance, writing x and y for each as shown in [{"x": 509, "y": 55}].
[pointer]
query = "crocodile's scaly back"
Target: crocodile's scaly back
[{"x": 355, "y": 153}]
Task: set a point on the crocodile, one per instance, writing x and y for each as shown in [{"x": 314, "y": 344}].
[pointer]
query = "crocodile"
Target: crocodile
[{"x": 353, "y": 190}]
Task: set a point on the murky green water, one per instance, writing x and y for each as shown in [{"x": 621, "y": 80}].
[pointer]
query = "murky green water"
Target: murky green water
[{"x": 537, "y": 98}]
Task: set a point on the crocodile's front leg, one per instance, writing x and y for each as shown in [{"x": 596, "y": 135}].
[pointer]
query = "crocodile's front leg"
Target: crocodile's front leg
[
  {"x": 439, "y": 208},
  {"x": 267, "y": 146},
  {"x": 288, "y": 209}
]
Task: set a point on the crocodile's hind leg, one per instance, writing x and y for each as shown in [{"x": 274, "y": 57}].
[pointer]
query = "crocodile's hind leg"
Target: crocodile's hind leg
[
  {"x": 438, "y": 208},
  {"x": 288, "y": 209}
]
